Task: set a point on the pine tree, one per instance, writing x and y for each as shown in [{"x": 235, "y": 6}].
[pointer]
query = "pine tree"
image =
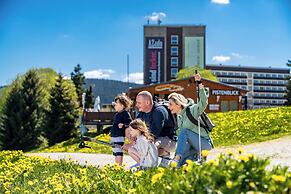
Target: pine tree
[
  {"x": 63, "y": 113},
  {"x": 23, "y": 115},
  {"x": 288, "y": 87},
  {"x": 79, "y": 80},
  {"x": 89, "y": 98},
  {"x": 11, "y": 130}
]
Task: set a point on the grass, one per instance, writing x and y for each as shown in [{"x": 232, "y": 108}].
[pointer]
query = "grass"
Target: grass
[{"x": 232, "y": 128}]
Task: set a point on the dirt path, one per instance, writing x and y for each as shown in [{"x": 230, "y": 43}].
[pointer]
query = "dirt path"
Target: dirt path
[{"x": 279, "y": 151}]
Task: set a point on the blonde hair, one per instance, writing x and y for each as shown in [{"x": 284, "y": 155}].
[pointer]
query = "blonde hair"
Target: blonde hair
[
  {"x": 140, "y": 125},
  {"x": 178, "y": 99}
]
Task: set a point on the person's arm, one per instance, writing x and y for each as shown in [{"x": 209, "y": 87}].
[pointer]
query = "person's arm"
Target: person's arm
[
  {"x": 200, "y": 107},
  {"x": 159, "y": 118},
  {"x": 142, "y": 147},
  {"x": 127, "y": 118}
]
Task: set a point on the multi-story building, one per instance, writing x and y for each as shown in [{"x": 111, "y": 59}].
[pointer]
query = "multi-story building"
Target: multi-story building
[
  {"x": 266, "y": 86},
  {"x": 167, "y": 49}
]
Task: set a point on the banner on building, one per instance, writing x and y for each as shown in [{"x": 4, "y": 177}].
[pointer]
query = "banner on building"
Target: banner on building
[{"x": 154, "y": 60}]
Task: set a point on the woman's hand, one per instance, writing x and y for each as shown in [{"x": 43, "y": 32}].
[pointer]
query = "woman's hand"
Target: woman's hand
[{"x": 197, "y": 77}]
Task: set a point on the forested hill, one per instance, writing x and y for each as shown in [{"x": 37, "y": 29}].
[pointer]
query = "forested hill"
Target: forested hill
[{"x": 108, "y": 89}]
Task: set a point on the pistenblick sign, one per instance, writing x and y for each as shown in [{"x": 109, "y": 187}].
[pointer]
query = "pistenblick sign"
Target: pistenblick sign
[{"x": 225, "y": 92}]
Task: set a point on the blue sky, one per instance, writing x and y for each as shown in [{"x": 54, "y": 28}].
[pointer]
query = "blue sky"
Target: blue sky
[{"x": 98, "y": 34}]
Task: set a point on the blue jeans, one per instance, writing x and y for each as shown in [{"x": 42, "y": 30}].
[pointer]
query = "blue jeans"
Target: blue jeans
[{"x": 188, "y": 145}]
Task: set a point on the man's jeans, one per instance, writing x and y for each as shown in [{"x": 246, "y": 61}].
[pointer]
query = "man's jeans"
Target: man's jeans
[{"x": 188, "y": 145}]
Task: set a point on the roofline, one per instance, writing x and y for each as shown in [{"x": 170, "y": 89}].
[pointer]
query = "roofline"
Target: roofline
[
  {"x": 145, "y": 86},
  {"x": 174, "y": 25}
]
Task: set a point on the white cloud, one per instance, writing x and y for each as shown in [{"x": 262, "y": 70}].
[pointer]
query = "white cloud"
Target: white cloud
[
  {"x": 66, "y": 77},
  {"x": 223, "y": 2},
  {"x": 220, "y": 59},
  {"x": 156, "y": 16},
  {"x": 237, "y": 55},
  {"x": 99, "y": 74},
  {"x": 135, "y": 77}
]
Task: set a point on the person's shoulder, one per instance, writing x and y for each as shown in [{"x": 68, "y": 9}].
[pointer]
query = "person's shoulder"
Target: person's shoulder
[{"x": 160, "y": 108}]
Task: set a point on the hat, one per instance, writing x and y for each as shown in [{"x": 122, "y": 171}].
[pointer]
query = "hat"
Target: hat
[{"x": 179, "y": 99}]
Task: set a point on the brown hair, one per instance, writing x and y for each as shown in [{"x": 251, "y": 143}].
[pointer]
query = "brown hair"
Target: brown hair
[
  {"x": 140, "y": 125},
  {"x": 124, "y": 100}
]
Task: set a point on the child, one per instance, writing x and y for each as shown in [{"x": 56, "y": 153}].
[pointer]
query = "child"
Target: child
[
  {"x": 144, "y": 151},
  {"x": 121, "y": 120}
]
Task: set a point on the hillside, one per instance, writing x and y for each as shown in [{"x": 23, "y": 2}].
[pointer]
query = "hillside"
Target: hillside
[{"x": 108, "y": 89}]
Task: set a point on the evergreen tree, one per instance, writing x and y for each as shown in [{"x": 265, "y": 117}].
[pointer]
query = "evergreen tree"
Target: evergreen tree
[
  {"x": 23, "y": 115},
  {"x": 89, "y": 98},
  {"x": 63, "y": 113},
  {"x": 79, "y": 80},
  {"x": 288, "y": 87}
]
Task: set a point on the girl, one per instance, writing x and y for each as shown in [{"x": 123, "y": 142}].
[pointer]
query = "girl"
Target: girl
[
  {"x": 121, "y": 120},
  {"x": 144, "y": 151},
  {"x": 188, "y": 138}
]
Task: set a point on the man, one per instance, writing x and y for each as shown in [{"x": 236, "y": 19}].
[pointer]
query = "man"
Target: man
[{"x": 159, "y": 122}]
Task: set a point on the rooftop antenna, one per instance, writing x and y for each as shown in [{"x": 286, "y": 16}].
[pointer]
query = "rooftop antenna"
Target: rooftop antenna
[
  {"x": 148, "y": 21},
  {"x": 127, "y": 69}
]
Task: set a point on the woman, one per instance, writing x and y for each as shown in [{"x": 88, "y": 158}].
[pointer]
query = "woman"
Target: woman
[{"x": 188, "y": 137}]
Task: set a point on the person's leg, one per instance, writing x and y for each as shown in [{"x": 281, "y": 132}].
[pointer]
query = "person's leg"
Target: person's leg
[
  {"x": 165, "y": 146},
  {"x": 119, "y": 160},
  {"x": 193, "y": 139},
  {"x": 117, "y": 151},
  {"x": 182, "y": 146}
]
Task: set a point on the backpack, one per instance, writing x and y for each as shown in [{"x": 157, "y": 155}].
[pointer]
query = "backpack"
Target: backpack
[
  {"x": 206, "y": 123},
  {"x": 164, "y": 103}
]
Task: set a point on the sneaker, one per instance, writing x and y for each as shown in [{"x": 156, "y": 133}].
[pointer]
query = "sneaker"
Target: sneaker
[
  {"x": 165, "y": 162},
  {"x": 135, "y": 165}
]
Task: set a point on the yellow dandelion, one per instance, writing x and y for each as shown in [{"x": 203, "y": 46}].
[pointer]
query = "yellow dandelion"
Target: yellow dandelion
[
  {"x": 59, "y": 187},
  {"x": 279, "y": 178},
  {"x": 173, "y": 164},
  {"x": 138, "y": 173},
  {"x": 243, "y": 158},
  {"x": 212, "y": 162},
  {"x": 132, "y": 190},
  {"x": 161, "y": 170},
  {"x": 30, "y": 183},
  {"x": 229, "y": 152},
  {"x": 157, "y": 177},
  {"x": 189, "y": 162},
  {"x": 240, "y": 150},
  {"x": 204, "y": 153}
]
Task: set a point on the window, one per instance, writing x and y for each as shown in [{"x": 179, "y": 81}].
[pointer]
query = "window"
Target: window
[
  {"x": 174, "y": 39},
  {"x": 174, "y": 51},
  {"x": 174, "y": 61},
  {"x": 174, "y": 72}
]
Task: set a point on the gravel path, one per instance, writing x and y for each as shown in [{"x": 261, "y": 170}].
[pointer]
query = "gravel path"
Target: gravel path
[{"x": 279, "y": 151}]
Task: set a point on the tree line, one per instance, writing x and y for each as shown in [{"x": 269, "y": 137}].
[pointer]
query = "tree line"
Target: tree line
[{"x": 41, "y": 108}]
